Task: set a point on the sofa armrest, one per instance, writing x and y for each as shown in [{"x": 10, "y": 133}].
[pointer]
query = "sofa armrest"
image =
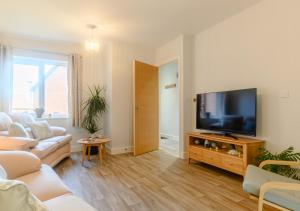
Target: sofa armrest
[
  {"x": 17, "y": 143},
  {"x": 277, "y": 186},
  {"x": 19, "y": 163},
  {"x": 279, "y": 162},
  {"x": 58, "y": 131}
]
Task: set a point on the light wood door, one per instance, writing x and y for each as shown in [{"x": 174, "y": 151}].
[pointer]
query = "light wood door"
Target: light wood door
[{"x": 146, "y": 108}]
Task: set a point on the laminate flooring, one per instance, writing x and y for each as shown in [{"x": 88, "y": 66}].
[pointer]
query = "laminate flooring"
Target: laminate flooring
[{"x": 153, "y": 181}]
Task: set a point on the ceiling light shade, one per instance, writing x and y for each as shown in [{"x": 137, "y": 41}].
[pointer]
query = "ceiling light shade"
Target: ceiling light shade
[{"x": 92, "y": 44}]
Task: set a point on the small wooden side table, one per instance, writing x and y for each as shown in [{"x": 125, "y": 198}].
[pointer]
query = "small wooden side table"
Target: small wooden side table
[{"x": 96, "y": 142}]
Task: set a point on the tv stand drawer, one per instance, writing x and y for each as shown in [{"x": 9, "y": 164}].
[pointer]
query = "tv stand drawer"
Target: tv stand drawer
[
  {"x": 195, "y": 153},
  {"x": 211, "y": 157},
  {"x": 233, "y": 164}
]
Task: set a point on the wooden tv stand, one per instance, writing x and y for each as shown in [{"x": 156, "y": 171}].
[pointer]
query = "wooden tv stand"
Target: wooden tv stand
[{"x": 219, "y": 157}]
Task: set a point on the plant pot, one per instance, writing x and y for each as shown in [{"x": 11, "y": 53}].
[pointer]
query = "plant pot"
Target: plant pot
[{"x": 94, "y": 151}]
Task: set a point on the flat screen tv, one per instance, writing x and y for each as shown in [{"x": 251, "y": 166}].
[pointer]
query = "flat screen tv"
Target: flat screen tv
[{"x": 228, "y": 112}]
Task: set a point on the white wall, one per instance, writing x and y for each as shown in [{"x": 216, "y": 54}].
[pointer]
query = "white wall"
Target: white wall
[
  {"x": 169, "y": 100},
  {"x": 169, "y": 51},
  {"x": 180, "y": 48},
  {"x": 123, "y": 56},
  {"x": 257, "y": 48}
]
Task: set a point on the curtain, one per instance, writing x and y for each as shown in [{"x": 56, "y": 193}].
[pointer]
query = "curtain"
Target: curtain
[
  {"x": 76, "y": 88},
  {"x": 6, "y": 60}
]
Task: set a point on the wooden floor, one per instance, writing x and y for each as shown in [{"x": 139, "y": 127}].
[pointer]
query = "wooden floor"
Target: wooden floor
[{"x": 154, "y": 181}]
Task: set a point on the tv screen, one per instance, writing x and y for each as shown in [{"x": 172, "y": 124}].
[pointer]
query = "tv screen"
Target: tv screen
[{"x": 228, "y": 112}]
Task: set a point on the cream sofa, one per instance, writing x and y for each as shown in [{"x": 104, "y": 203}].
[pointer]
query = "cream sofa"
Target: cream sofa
[
  {"x": 41, "y": 181},
  {"x": 51, "y": 150}
]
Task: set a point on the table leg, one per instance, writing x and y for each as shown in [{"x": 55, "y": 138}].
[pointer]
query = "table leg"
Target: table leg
[
  {"x": 99, "y": 152},
  {"x": 89, "y": 152},
  {"x": 103, "y": 150},
  {"x": 83, "y": 154}
]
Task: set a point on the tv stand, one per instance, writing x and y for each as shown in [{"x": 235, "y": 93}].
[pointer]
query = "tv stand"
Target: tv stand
[
  {"x": 216, "y": 154},
  {"x": 221, "y": 134},
  {"x": 231, "y": 136}
]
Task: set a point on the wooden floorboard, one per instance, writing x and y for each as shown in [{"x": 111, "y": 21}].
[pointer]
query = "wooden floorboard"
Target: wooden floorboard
[{"x": 153, "y": 181}]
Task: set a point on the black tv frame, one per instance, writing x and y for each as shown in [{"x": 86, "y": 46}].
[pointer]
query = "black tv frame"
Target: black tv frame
[{"x": 224, "y": 131}]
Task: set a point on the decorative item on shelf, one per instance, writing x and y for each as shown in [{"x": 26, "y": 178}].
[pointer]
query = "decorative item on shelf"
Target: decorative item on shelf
[
  {"x": 94, "y": 107},
  {"x": 233, "y": 152},
  {"x": 231, "y": 146},
  {"x": 39, "y": 112},
  {"x": 224, "y": 146},
  {"x": 206, "y": 144},
  {"x": 239, "y": 154},
  {"x": 197, "y": 142},
  {"x": 217, "y": 148},
  {"x": 213, "y": 145},
  {"x": 288, "y": 155},
  {"x": 239, "y": 148}
]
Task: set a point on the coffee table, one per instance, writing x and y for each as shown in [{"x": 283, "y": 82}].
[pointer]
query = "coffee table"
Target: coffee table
[{"x": 95, "y": 142}]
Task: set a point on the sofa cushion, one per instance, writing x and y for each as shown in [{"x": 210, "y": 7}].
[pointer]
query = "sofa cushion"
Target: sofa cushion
[
  {"x": 255, "y": 177},
  {"x": 68, "y": 202},
  {"x": 40, "y": 130},
  {"x": 17, "y": 130},
  {"x": 287, "y": 199},
  {"x": 5, "y": 121},
  {"x": 58, "y": 131},
  {"x": 60, "y": 140},
  {"x": 14, "y": 195},
  {"x": 44, "y": 148},
  {"x": 17, "y": 143},
  {"x": 19, "y": 163},
  {"x": 3, "y": 174},
  {"x": 23, "y": 118},
  {"x": 45, "y": 184}
]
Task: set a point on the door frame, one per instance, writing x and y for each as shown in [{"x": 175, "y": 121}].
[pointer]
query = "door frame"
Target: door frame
[
  {"x": 182, "y": 153},
  {"x": 181, "y": 111},
  {"x": 178, "y": 84}
]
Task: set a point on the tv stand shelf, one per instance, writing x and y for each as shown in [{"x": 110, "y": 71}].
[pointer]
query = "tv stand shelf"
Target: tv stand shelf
[{"x": 217, "y": 154}]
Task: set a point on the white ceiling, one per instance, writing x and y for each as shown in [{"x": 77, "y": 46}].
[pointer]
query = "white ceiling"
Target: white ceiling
[{"x": 150, "y": 22}]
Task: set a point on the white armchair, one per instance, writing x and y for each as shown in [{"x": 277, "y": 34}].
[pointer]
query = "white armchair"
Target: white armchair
[{"x": 272, "y": 189}]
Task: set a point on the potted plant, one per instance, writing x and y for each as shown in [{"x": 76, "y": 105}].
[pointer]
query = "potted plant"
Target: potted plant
[
  {"x": 93, "y": 109},
  {"x": 288, "y": 155}
]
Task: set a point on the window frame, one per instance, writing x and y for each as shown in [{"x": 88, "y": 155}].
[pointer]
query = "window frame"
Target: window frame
[{"x": 41, "y": 64}]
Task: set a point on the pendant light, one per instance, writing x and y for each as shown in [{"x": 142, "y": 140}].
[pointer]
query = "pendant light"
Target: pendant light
[{"x": 92, "y": 44}]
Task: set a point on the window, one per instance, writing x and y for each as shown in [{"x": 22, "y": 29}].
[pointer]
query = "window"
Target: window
[{"x": 40, "y": 83}]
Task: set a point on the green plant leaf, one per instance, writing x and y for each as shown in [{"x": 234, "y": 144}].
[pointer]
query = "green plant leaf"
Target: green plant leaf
[
  {"x": 93, "y": 108},
  {"x": 287, "y": 154}
]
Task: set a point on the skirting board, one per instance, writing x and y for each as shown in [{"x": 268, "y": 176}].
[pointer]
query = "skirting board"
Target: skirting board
[
  {"x": 184, "y": 155},
  {"x": 119, "y": 150}
]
